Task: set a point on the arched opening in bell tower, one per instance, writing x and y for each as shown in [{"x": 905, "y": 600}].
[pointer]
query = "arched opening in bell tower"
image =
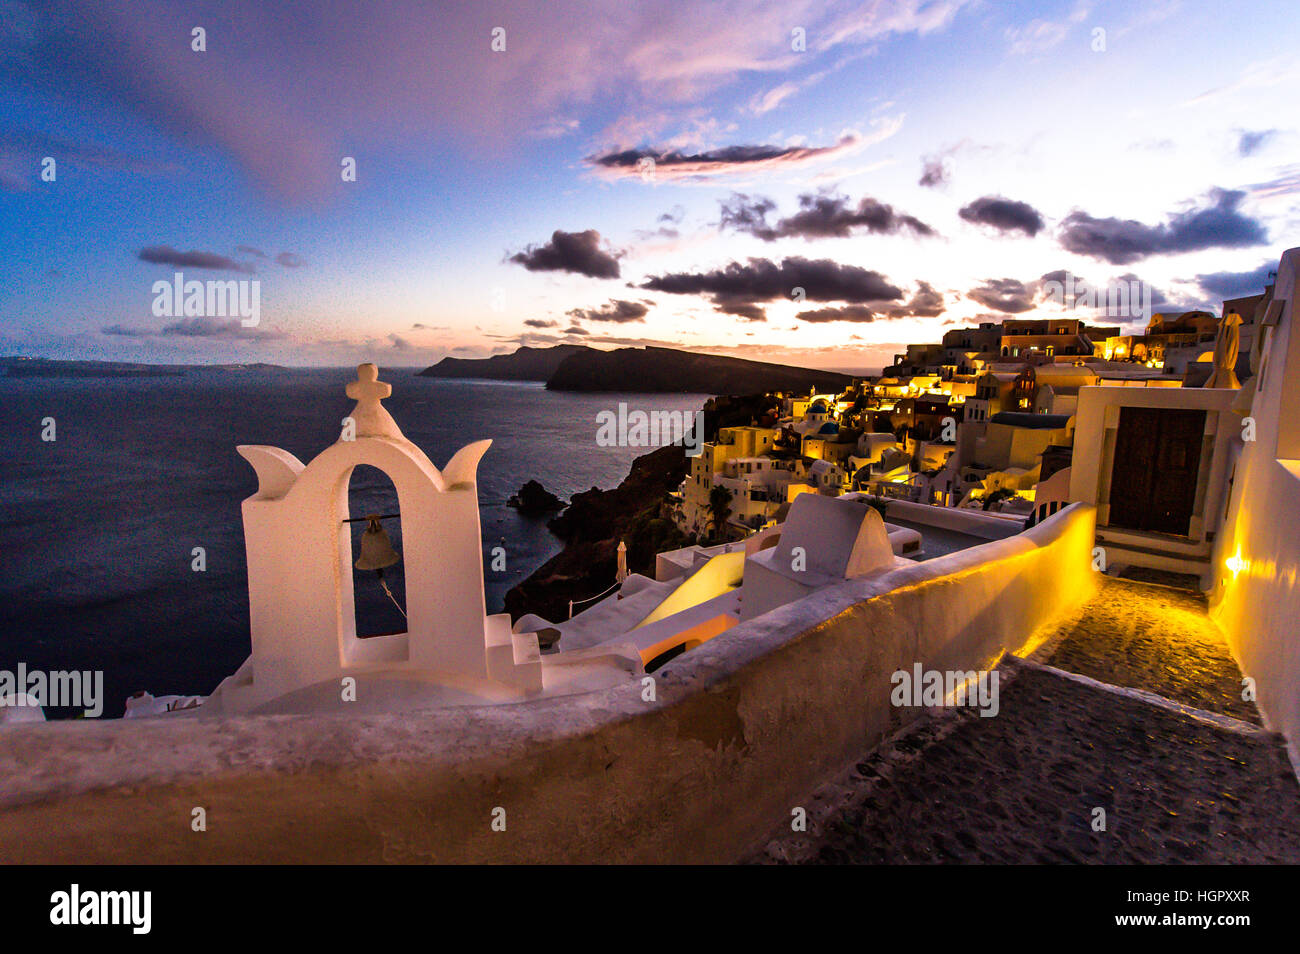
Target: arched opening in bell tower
[{"x": 379, "y": 582}]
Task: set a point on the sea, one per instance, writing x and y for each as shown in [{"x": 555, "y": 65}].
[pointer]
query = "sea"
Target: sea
[{"x": 121, "y": 544}]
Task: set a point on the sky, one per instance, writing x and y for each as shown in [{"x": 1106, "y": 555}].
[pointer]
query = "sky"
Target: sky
[{"x": 814, "y": 183}]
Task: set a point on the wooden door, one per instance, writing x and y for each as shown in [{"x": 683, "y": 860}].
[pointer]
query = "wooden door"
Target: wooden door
[{"x": 1153, "y": 478}]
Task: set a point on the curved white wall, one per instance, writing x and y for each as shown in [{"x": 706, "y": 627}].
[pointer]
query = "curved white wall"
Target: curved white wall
[{"x": 738, "y": 732}]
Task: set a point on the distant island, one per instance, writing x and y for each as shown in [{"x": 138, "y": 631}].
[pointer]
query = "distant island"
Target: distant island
[
  {"x": 20, "y": 367},
  {"x": 667, "y": 370},
  {"x": 525, "y": 364}
]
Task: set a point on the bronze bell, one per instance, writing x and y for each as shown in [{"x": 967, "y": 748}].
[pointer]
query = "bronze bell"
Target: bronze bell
[{"x": 376, "y": 551}]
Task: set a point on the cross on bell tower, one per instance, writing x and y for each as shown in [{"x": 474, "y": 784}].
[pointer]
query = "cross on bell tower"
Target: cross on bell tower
[{"x": 369, "y": 415}]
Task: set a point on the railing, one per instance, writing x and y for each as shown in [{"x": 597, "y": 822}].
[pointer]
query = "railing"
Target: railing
[{"x": 589, "y": 599}]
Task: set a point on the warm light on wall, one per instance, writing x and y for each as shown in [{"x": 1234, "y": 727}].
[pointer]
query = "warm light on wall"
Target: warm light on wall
[{"x": 1237, "y": 565}]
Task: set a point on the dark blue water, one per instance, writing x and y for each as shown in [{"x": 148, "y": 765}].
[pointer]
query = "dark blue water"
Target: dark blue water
[{"x": 97, "y": 528}]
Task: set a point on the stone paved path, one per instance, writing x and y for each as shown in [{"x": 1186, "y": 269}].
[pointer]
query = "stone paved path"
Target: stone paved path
[
  {"x": 1154, "y": 638},
  {"x": 1023, "y": 787}
]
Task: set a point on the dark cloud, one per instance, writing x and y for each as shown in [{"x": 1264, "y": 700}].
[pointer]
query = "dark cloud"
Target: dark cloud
[
  {"x": 1003, "y": 214},
  {"x": 250, "y": 250},
  {"x": 209, "y": 327},
  {"x": 1237, "y": 284},
  {"x": 1005, "y": 294},
  {"x": 1249, "y": 143},
  {"x": 289, "y": 260},
  {"x": 125, "y": 332},
  {"x": 742, "y": 309},
  {"x": 934, "y": 172},
  {"x": 739, "y": 289},
  {"x": 844, "y": 313},
  {"x": 615, "y": 310},
  {"x": 761, "y": 279},
  {"x": 576, "y": 252},
  {"x": 166, "y": 255},
  {"x": 924, "y": 303},
  {"x": 823, "y": 215},
  {"x": 673, "y": 164},
  {"x": 741, "y": 213},
  {"x": 1071, "y": 287},
  {"x": 1218, "y": 224},
  {"x": 575, "y": 330},
  {"x": 667, "y": 225},
  {"x": 539, "y": 323},
  {"x": 399, "y": 343}
]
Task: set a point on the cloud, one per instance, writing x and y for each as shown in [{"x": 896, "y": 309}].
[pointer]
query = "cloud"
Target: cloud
[
  {"x": 290, "y": 260},
  {"x": 1217, "y": 224},
  {"x": 770, "y": 99},
  {"x": 1004, "y": 215},
  {"x": 738, "y": 288},
  {"x": 1237, "y": 284},
  {"x": 418, "y": 73},
  {"x": 1040, "y": 35},
  {"x": 1005, "y": 294},
  {"x": 554, "y": 128},
  {"x": 210, "y": 327},
  {"x": 761, "y": 279},
  {"x": 844, "y": 313},
  {"x": 742, "y": 309},
  {"x": 576, "y": 252},
  {"x": 540, "y": 323},
  {"x": 250, "y": 250},
  {"x": 1257, "y": 74},
  {"x": 615, "y": 310},
  {"x": 1249, "y": 143},
  {"x": 924, "y": 303},
  {"x": 1286, "y": 183},
  {"x": 650, "y": 163},
  {"x": 166, "y": 255},
  {"x": 23, "y": 149},
  {"x": 575, "y": 330},
  {"x": 400, "y": 343},
  {"x": 824, "y": 215},
  {"x": 125, "y": 332},
  {"x": 934, "y": 172},
  {"x": 740, "y": 213}
]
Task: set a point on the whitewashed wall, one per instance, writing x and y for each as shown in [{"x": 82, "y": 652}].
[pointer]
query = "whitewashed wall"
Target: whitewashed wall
[{"x": 739, "y": 732}]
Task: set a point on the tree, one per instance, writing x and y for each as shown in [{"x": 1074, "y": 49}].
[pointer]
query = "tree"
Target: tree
[{"x": 719, "y": 509}]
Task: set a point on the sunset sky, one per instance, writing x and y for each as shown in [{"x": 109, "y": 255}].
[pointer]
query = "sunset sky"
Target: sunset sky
[{"x": 917, "y": 165}]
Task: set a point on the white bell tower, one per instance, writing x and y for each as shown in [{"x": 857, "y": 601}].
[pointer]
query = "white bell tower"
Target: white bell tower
[{"x": 299, "y": 549}]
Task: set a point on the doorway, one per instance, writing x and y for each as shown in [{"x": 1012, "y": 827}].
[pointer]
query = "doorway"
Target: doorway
[{"x": 1156, "y": 464}]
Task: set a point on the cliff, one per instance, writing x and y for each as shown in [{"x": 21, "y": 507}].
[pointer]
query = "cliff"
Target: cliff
[
  {"x": 525, "y": 364},
  {"x": 636, "y": 512},
  {"x": 670, "y": 370}
]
